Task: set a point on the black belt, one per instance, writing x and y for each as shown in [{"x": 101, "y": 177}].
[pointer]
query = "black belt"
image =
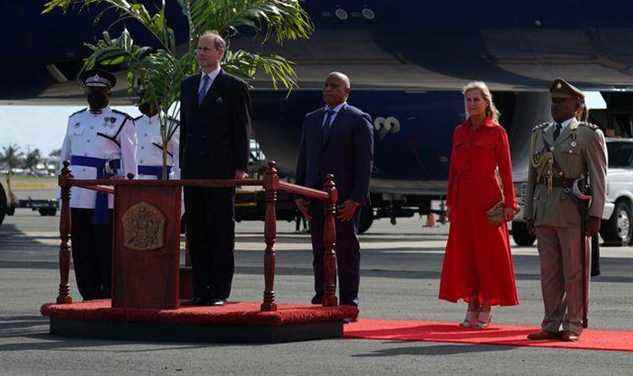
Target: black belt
[{"x": 559, "y": 181}]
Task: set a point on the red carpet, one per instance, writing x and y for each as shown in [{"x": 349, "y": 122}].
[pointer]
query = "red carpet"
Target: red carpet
[
  {"x": 426, "y": 331},
  {"x": 246, "y": 313}
]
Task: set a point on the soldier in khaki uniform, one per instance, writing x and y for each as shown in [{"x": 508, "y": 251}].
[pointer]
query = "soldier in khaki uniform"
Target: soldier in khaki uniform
[{"x": 560, "y": 153}]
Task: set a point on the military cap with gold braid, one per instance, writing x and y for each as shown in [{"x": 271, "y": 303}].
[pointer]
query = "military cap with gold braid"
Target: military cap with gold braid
[{"x": 563, "y": 89}]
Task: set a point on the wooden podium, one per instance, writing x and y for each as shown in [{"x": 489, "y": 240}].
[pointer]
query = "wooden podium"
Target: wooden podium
[{"x": 146, "y": 251}]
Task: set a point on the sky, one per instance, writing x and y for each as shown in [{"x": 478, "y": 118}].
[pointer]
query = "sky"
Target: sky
[{"x": 41, "y": 127}]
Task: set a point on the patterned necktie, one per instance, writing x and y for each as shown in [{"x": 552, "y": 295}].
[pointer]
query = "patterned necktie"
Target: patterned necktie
[
  {"x": 203, "y": 89},
  {"x": 327, "y": 124},
  {"x": 557, "y": 130}
]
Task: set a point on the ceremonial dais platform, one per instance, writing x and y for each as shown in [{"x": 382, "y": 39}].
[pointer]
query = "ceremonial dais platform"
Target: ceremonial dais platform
[
  {"x": 148, "y": 296},
  {"x": 233, "y": 322}
]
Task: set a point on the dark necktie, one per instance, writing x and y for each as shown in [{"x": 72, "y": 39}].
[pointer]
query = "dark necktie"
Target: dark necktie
[
  {"x": 557, "y": 130},
  {"x": 327, "y": 124},
  {"x": 203, "y": 89}
]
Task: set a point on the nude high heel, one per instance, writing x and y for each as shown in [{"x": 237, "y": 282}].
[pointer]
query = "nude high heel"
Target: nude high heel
[
  {"x": 484, "y": 318},
  {"x": 470, "y": 320},
  {"x": 472, "y": 313}
]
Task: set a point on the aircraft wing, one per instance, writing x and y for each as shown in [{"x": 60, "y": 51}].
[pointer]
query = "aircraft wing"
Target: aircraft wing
[{"x": 514, "y": 60}]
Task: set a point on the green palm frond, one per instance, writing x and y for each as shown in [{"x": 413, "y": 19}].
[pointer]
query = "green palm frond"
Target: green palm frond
[
  {"x": 247, "y": 65},
  {"x": 155, "y": 23},
  {"x": 283, "y": 19}
]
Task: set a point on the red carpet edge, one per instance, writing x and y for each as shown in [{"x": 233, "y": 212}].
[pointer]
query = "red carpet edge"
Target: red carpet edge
[{"x": 496, "y": 334}]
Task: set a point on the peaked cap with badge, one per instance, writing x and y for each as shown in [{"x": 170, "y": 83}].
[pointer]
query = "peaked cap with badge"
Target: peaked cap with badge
[
  {"x": 563, "y": 89},
  {"x": 97, "y": 78}
]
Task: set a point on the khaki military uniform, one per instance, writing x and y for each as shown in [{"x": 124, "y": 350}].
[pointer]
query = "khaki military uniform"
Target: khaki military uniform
[{"x": 579, "y": 151}]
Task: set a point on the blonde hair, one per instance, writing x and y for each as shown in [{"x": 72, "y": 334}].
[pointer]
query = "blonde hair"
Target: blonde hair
[{"x": 491, "y": 109}]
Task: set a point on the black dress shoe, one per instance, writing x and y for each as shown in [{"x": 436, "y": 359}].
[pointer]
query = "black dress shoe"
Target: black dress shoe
[
  {"x": 353, "y": 302},
  {"x": 215, "y": 302},
  {"x": 198, "y": 301},
  {"x": 543, "y": 335},
  {"x": 317, "y": 299}
]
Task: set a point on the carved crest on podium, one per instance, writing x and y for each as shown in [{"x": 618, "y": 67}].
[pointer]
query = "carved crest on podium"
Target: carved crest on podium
[{"x": 143, "y": 227}]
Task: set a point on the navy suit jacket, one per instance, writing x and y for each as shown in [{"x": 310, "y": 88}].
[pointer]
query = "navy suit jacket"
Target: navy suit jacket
[
  {"x": 347, "y": 153},
  {"x": 214, "y": 134}
]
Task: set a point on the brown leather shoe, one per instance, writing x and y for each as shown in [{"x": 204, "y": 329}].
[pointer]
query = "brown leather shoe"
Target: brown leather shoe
[
  {"x": 569, "y": 336},
  {"x": 543, "y": 335}
]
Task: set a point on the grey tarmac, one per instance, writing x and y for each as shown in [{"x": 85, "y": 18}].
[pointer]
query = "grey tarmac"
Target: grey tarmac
[{"x": 399, "y": 280}]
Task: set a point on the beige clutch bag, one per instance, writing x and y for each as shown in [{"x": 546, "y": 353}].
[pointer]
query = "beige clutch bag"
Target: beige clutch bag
[{"x": 495, "y": 214}]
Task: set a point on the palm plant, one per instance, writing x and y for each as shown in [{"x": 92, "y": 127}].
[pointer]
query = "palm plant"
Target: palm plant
[
  {"x": 159, "y": 71},
  {"x": 32, "y": 159}
]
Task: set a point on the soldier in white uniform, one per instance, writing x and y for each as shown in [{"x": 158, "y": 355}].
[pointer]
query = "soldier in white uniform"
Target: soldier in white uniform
[
  {"x": 100, "y": 142},
  {"x": 149, "y": 152}
]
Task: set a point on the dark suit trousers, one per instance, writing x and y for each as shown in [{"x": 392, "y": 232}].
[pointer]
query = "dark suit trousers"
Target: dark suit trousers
[
  {"x": 211, "y": 240},
  {"x": 92, "y": 254},
  {"x": 347, "y": 255}
]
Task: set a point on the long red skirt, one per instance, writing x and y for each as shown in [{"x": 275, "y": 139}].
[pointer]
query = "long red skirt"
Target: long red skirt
[{"x": 477, "y": 261}]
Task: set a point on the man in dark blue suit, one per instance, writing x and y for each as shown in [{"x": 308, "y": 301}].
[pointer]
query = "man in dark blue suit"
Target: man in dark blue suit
[
  {"x": 337, "y": 139},
  {"x": 214, "y": 124}
]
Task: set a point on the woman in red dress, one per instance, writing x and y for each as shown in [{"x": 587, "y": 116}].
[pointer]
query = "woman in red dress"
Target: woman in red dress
[{"x": 477, "y": 263}]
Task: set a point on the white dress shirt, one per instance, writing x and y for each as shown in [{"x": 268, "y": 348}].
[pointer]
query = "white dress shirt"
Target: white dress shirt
[
  {"x": 336, "y": 110},
  {"x": 212, "y": 75}
]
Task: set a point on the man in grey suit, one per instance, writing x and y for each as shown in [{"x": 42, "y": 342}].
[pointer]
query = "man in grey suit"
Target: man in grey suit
[{"x": 337, "y": 139}]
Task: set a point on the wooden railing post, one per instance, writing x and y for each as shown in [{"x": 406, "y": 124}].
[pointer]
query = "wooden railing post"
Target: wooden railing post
[
  {"x": 271, "y": 185},
  {"x": 329, "y": 241},
  {"x": 63, "y": 296}
]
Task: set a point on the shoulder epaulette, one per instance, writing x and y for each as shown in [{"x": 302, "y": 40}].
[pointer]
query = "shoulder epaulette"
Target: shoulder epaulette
[
  {"x": 138, "y": 117},
  {"x": 77, "y": 112},
  {"x": 589, "y": 125},
  {"x": 122, "y": 113},
  {"x": 540, "y": 126}
]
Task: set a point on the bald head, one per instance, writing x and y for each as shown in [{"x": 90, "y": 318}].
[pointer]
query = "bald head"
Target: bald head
[
  {"x": 336, "y": 89},
  {"x": 341, "y": 76}
]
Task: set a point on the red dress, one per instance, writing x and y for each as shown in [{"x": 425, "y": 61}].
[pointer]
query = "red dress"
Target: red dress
[{"x": 477, "y": 256}]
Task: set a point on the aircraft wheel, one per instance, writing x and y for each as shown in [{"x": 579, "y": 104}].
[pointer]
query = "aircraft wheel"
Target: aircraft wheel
[
  {"x": 46, "y": 212},
  {"x": 618, "y": 229},
  {"x": 366, "y": 219},
  {"x": 521, "y": 235}
]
